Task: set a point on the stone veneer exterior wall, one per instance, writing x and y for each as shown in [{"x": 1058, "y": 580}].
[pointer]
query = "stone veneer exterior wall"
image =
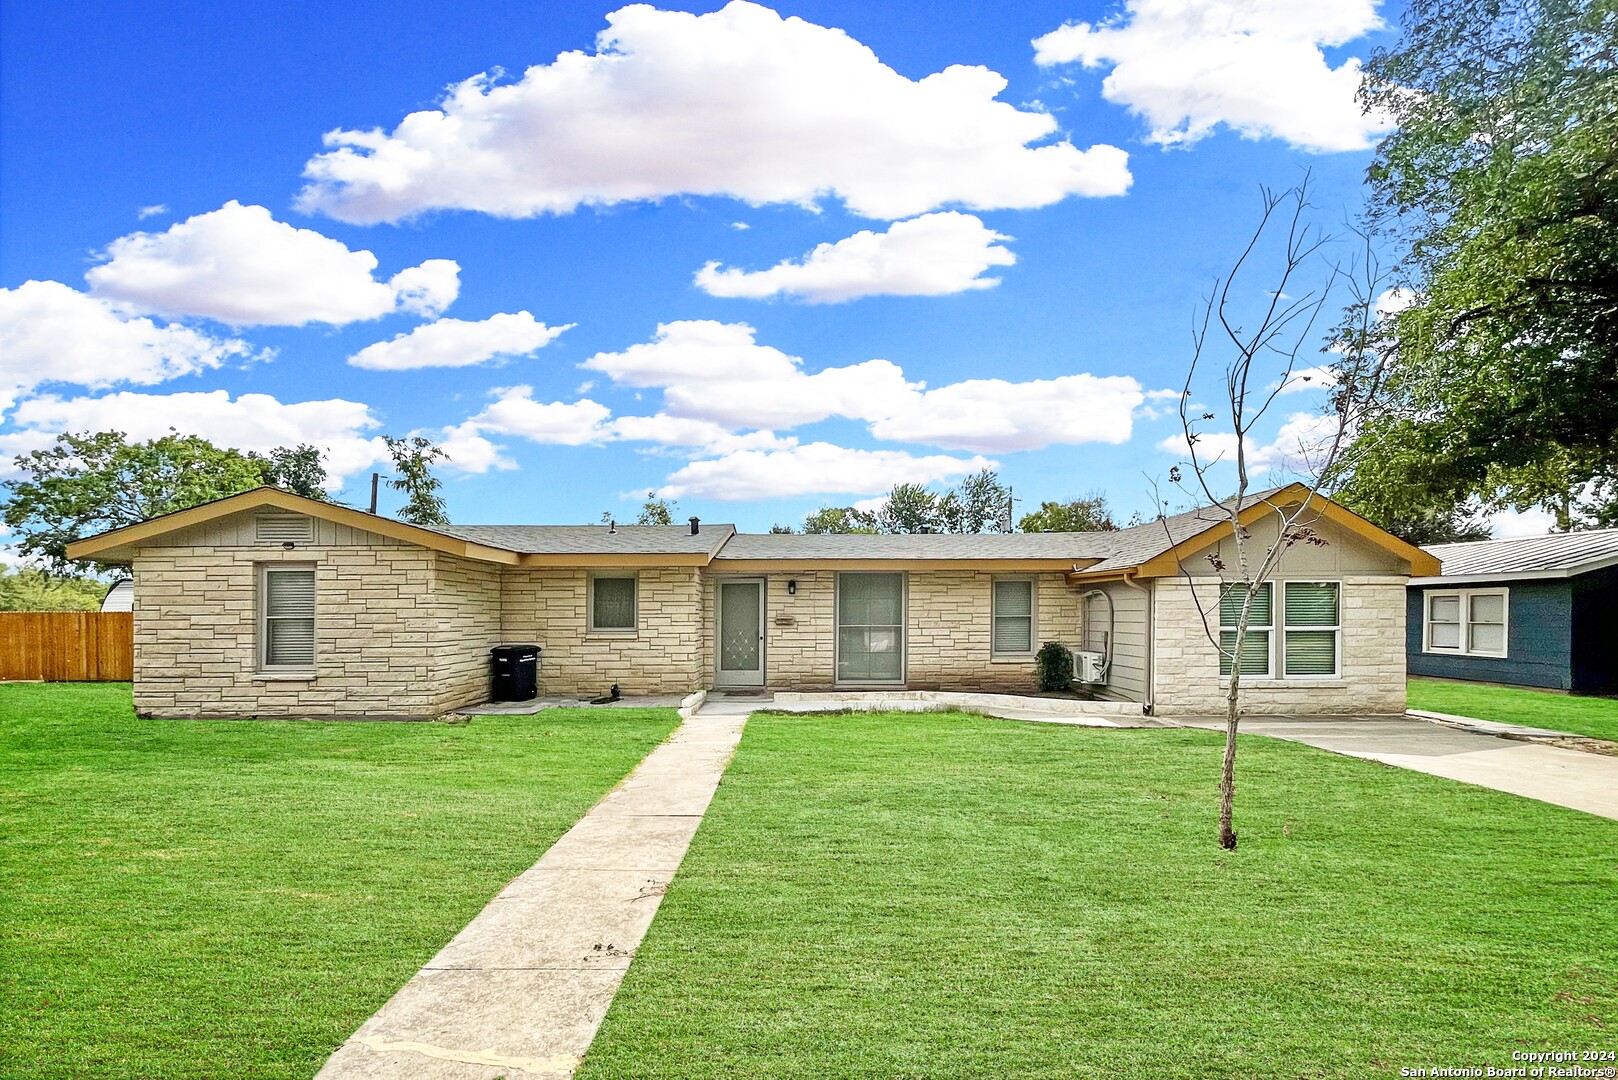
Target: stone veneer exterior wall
[
  {"x": 379, "y": 645},
  {"x": 948, "y": 618},
  {"x": 664, "y": 655},
  {"x": 1372, "y": 679}
]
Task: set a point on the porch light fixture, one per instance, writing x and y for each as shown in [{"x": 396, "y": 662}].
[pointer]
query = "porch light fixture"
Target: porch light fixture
[{"x": 792, "y": 588}]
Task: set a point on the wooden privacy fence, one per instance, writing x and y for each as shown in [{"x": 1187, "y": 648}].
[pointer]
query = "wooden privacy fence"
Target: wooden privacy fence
[{"x": 67, "y": 646}]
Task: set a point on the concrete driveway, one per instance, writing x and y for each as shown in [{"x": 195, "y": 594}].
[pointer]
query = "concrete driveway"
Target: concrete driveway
[{"x": 1571, "y": 778}]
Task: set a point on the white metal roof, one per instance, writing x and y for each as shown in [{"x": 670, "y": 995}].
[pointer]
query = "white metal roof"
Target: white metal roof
[{"x": 1552, "y": 556}]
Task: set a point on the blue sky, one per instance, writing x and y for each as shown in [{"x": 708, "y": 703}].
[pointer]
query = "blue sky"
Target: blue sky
[{"x": 1008, "y": 274}]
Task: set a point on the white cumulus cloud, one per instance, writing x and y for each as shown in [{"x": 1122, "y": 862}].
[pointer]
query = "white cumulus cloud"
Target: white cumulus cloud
[
  {"x": 1256, "y": 66},
  {"x": 719, "y": 373},
  {"x": 515, "y": 412},
  {"x": 997, "y": 416},
  {"x": 932, "y": 255},
  {"x": 240, "y": 266},
  {"x": 738, "y": 102},
  {"x": 1299, "y": 447},
  {"x": 812, "y": 469},
  {"x": 249, "y": 422},
  {"x": 50, "y": 333},
  {"x": 459, "y": 343}
]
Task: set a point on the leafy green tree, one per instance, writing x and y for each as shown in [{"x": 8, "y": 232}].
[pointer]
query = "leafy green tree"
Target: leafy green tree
[
  {"x": 1500, "y": 187},
  {"x": 299, "y": 469},
  {"x": 909, "y": 508},
  {"x": 984, "y": 505},
  {"x": 1088, "y": 513},
  {"x": 655, "y": 511},
  {"x": 31, "y": 589},
  {"x": 413, "y": 459},
  {"x": 88, "y": 483},
  {"x": 781, "y": 530},
  {"x": 839, "y": 519}
]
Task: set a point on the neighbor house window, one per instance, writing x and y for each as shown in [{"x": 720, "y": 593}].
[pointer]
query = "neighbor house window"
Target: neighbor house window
[
  {"x": 1260, "y": 624},
  {"x": 1467, "y": 622},
  {"x": 287, "y": 627},
  {"x": 1310, "y": 627},
  {"x": 612, "y": 602},
  {"x": 1013, "y": 617}
]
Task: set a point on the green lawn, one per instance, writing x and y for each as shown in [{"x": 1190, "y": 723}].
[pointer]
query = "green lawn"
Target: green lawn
[
  {"x": 950, "y": 896},
  {"x": 1593, "y": 716},
  {"x": 232, "y": 899}
]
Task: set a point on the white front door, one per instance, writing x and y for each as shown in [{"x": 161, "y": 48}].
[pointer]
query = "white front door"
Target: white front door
[{"x": 741, "y": 632}]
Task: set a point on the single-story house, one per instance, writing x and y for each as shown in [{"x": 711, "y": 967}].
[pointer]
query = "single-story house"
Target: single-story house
[
  {"x": 268, "y": 604},
  {"x": 1533, "y": 611}
]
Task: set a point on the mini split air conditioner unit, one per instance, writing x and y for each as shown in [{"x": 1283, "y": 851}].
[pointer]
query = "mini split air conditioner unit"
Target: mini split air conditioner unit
[{"x": 1089, "y": 667}]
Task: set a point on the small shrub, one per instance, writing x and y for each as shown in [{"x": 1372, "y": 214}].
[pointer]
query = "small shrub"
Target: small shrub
[{"x": 1055, "y": 666}]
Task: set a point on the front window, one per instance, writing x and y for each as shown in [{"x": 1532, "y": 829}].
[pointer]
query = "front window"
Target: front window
[
  {"x": 612, "y": 602},
  {"x": 870, "y": 628},
  {"x": 1309, "y": 638},
  {"x": 1467, "y": 622},
  {"x": 1260, "y": 623},
  {"x": 287, "y": 629},
  {"x": 1013, "y": 617}
]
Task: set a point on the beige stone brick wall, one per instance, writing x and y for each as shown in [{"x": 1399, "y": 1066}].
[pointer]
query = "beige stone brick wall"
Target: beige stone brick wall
[
  {"x": 196, "y": 633},
  {"x": 663, "y": 656},
  {"x": 1372, "y": 677},
  {"x": 468, "y": 597},
  {"x": 948, "y": 630}
]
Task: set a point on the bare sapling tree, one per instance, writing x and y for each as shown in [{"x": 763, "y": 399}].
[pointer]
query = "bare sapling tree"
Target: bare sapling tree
[{"x": 1259, "y": 363}]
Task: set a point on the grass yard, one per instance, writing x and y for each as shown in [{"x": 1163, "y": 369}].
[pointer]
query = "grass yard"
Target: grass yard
[
  {"x": 951, "y": 896},
  {"x": 232, "y": 898},
  {"x": 1595, "y": 717}
]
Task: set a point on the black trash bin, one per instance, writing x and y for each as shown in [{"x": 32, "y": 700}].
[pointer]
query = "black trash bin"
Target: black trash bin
[{"x": 516, "y": 672}]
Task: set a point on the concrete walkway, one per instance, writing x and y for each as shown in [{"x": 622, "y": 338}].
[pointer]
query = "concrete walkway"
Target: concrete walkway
[
  {"x": 521, "y": 990},
  {"x": 1571, "y": 778}
]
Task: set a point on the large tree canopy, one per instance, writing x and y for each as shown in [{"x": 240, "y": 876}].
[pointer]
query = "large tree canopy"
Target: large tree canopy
[
  {"x": 1500, "y": 186},
  {"x": 87, "y": 483}
]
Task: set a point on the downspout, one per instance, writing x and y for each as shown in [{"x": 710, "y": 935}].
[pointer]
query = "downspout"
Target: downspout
[{"x": 1150, "y": 693}]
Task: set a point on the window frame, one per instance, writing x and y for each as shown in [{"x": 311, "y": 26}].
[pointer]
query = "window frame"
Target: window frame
[
  {"x": 1032, "y": 616},
  {"x": 1336, "y": 630},
  {"x": 633, "y": 628},
  {"x": 1268, "y": 628},
  {"x": 1464, "y": 598},
  {"x": 903, "y": 627},
  {"x": 263, "y": 617}
]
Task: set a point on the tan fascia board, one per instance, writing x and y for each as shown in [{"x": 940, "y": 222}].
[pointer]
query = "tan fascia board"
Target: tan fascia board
[
  {"x": 996, "y": 566},
  {"x": 1100, "y": 577},
  {"x": 1169, "y": 563},
  {"x": 577, "y": 561},
  {"x": 118, "y": 545}
]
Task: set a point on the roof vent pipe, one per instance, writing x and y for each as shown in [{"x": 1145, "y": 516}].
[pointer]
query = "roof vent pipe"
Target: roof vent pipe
[
  {"x": 612, "y": 526},
  {"x": 696, "y": 526}
]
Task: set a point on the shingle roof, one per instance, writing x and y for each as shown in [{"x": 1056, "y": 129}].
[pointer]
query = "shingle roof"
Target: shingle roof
[
  {"x": 1557, "y": 555},
  {"x": 1066, "y": 546},
  {"x": 1134, "y": 545},
  {"x": 593, "y": 539}
]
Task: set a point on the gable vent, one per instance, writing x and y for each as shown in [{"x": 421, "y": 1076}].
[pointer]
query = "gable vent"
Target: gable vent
[{"x": 281, "y": 528}]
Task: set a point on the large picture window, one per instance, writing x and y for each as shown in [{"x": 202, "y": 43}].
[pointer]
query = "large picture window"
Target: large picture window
[
  {"x": 870, "y": 628},
  {"x": 1467, "y": 622},
  {"x": 1013, "y": 617},
  {"x": 612, "y": 603},
  {"x": 287, "y": 617},
  {"x": 1260, "y": 625}
]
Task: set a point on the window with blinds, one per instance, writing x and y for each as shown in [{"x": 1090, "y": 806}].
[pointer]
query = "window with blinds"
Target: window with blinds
[
  {"x": 612, "y": 603},
  {"x": 870, "y": 628},
  {"x": 1311, "y": 627},
  {"x": 1468, "y": 622},
  {"x": 1013, "y": 617},
  {"x": 1260, "y": 627},
  {"x": 288, "y": 626}
]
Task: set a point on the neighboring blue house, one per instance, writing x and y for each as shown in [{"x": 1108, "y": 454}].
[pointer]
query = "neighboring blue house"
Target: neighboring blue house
[{"x": 1535, "y": 611}]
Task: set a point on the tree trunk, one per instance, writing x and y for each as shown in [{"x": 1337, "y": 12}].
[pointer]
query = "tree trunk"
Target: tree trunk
[{"x": 1227, "y": 777}]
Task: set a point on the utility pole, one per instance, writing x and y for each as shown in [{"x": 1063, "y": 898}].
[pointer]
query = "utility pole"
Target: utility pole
[{"x": 375, "y": 477}]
